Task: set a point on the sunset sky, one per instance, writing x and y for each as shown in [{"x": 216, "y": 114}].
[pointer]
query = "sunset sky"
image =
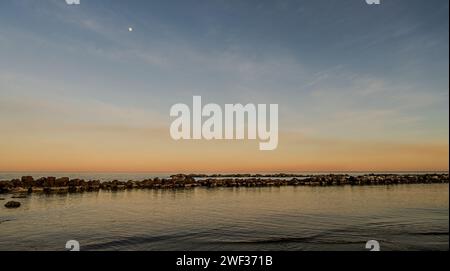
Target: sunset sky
[{"x": 359, "y": 87}]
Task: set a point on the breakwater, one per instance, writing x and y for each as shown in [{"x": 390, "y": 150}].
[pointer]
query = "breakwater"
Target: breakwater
[{"x": 27, "y": 184}]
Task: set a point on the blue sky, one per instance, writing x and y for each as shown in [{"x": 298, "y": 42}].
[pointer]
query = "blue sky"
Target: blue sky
[{"x": 339, "y": 70}]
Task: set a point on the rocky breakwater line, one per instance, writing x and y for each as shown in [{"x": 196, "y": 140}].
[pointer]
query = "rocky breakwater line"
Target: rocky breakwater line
[
  {"x": 27, "y": 184},
  {"x": 326, "y": 180}
]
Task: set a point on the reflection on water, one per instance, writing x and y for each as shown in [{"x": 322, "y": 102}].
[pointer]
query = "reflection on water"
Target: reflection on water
[{"x": 403, "y": 217}]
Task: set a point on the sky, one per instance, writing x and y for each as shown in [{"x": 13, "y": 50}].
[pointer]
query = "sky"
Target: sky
[{"x": 359, "y": 87}]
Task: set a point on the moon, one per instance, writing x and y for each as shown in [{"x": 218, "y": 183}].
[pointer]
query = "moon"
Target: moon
[{"x": 130, "y": 29}]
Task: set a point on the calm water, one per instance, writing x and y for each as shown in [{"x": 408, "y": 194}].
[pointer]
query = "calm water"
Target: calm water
[{"x": 403, "y": 217}]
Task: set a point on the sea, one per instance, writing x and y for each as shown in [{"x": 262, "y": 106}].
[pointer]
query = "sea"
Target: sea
[{"x": 410, "y": 217}]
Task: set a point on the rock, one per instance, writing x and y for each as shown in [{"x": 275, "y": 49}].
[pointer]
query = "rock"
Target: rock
[
  {"x": 12, "y": 204},
  {"x": 130, "y": 184},
  {"x": 27, "y": 181},
  {"x": 49, "y": 182},
  {"x": 76, "y": 182},
  {"x": 40, "y": 182},
  {"x": 352, "y": 180},
  {"x": 5, "y": 187},
  {"x": 64, "y": 181},
  {"x": 16, "y": 183}
]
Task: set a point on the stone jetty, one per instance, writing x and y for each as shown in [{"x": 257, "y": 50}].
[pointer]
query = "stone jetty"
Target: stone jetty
[{"x": 27, "y": 184}]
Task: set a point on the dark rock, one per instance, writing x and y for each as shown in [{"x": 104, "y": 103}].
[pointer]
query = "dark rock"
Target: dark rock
[
  {"x": 64, "y": 181},
  {"x": 49, "y": 182},
  {"x": 16, "y": 183},
  {"x": 5, "y": 187},
  {"x": 40, "y": 182},
  {"x": 27, "y": 181},
  {"x": 12, "y": 204},
  {"x": 130, "y": 184}
]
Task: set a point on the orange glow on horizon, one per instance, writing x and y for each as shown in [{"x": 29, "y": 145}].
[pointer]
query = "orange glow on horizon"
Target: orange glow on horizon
[{"x": 163, "y": 155}]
